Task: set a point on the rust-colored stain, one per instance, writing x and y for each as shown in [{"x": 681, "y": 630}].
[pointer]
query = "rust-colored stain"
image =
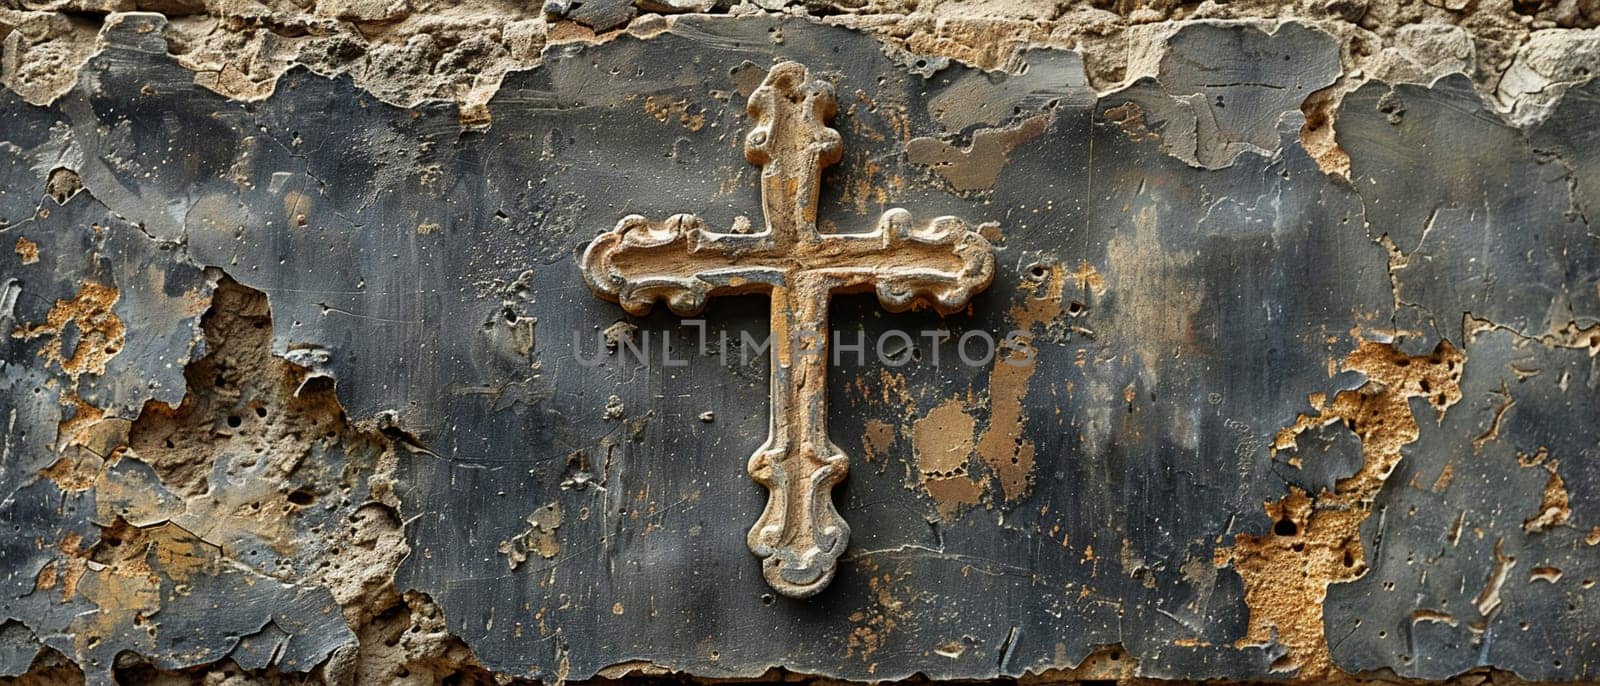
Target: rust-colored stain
[
  {"x": 887, "y": 610},
  {"x": 975, "y": 167},
  {"x": 1446, "y": 475},
  {"x": 944, "y": 438},
  {"x": 47, "y": 578},
  {"x": 27, "y": 250},
  {"x": 538, "y": 539},
  {"x": 1554, "y": 507},
  {"x": 1157, "y": 299},
  {"x": 1287, "y": 572},
  {"x": 877, "y": 439},
  {"x": 690, "y": 116},
  {"x": 71, "y": 430},
  {"x": 943, "y": 443},
  {"x": 569, "y": 32},
  {"x": 1129, "y": 117},
  {"x": 890, "y": 388},
  {"x": 72, "y": 474},
  {"x": 861, "y": 125},
  {"x": 100, "y": 331},
  {"x": 73, "y": 563},
  {"x": 867, "y": 183},
  {"x": 296, "y": 208},
  {"x": 122, "y": 574},
  {"x": 1003, "y": 445}
]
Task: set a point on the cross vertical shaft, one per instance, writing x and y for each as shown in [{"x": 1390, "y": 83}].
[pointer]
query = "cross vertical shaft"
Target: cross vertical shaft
[{"x": 800, "y": 534}]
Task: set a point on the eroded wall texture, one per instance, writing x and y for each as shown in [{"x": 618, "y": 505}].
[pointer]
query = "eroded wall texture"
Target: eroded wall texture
[{"x": 303, "y": 384}]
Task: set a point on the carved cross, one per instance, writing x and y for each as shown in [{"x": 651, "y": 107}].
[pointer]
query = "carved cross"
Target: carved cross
[{"x": 939, "y": 264}]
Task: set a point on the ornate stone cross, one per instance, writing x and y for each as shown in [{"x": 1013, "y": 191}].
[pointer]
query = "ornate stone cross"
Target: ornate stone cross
[{"x": 940, "y": 264}]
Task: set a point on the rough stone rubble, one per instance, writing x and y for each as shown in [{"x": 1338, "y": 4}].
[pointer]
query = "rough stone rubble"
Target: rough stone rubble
[{"x": 1523, "y": 53}]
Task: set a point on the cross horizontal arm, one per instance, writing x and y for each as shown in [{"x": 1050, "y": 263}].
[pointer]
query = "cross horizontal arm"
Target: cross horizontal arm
[{"x": 939, "y": 265}]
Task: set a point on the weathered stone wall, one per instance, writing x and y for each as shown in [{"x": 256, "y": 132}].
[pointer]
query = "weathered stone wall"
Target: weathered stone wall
[{"x": 289, "y": 392}]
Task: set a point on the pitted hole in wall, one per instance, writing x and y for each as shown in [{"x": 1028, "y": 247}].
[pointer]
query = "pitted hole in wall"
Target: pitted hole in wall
[{"x": 302, "y": 497}]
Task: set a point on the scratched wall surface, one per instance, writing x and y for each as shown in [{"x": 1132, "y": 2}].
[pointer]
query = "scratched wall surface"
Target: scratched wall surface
[{"x": 304, "y": 384}]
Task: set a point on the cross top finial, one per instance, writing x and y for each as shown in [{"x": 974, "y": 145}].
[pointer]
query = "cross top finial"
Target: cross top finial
[
  {"x": 939, "y": 265},
  {"x": 792, "y": 111}
]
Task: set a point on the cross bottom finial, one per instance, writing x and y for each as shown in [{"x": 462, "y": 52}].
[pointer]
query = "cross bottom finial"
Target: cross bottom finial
[{"x": 940, "y": 264}]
